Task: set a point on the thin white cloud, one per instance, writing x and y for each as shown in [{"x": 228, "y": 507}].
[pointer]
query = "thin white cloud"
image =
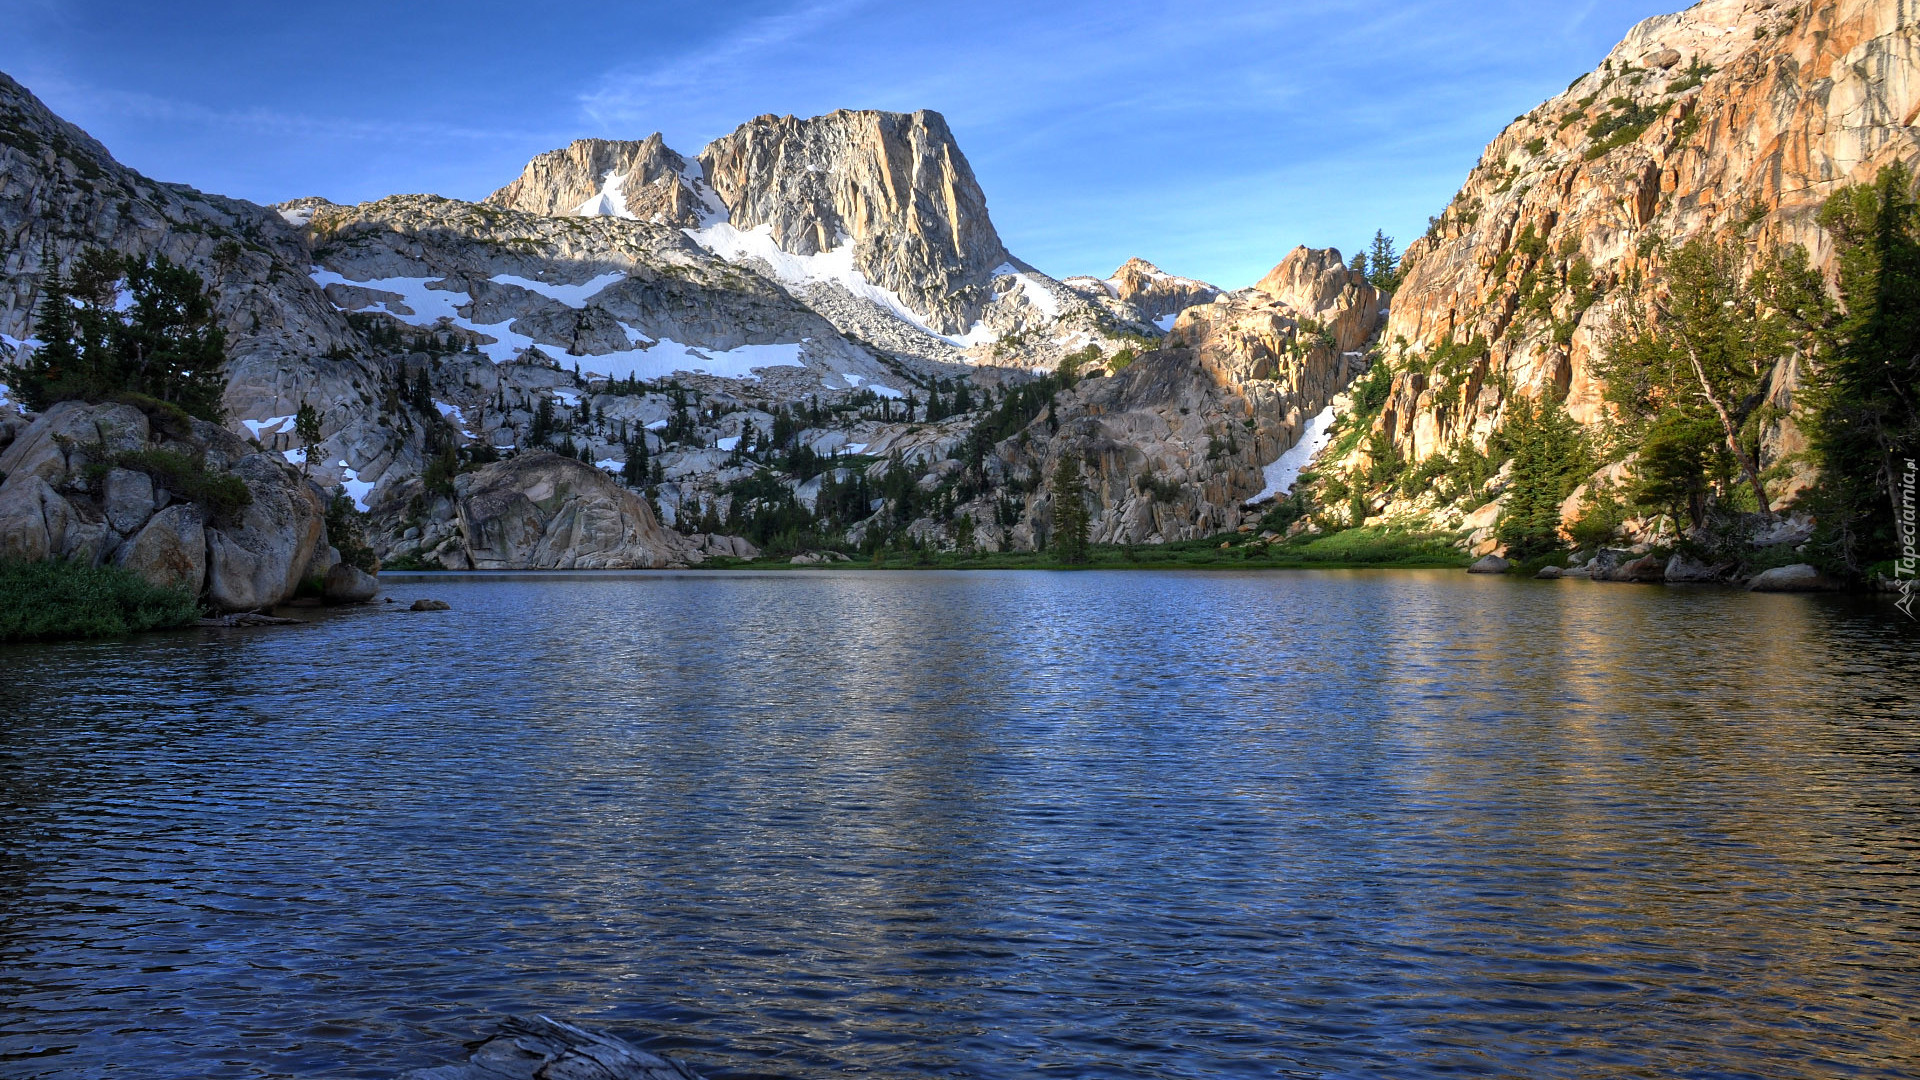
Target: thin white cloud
[{"x": 656, "y": 94}]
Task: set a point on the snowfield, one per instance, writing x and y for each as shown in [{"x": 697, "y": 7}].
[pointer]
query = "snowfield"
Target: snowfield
[
  {"x": 574, "y": 296},
  {"x": 610, "y": 201},
  {"x": 1286, "y": 469},
  {"x": 668, "y": 357},
  {"x": 272, "y": 425}
]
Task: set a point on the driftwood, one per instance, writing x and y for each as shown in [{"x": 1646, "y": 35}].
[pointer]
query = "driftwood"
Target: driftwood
[
  {"x": 543, "y": 1049},
  {"x": 247, "y": 618}
]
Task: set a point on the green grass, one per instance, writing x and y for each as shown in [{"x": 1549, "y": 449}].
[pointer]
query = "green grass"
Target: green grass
[
  {"x": 58, "y": 601},
  {"x": 1353, "y": 548}
]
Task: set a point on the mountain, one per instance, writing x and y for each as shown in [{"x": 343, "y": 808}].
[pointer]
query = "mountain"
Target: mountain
[
  {"x": 810, "y": 332},
  {"x": 1733, "y": 119},
  {"x": 835, "y": 280},
  {"x": 1142, "y": 292}
]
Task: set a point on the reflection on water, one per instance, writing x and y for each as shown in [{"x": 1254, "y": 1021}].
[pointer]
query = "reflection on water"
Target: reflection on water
[{"x": 984, "y": 825}]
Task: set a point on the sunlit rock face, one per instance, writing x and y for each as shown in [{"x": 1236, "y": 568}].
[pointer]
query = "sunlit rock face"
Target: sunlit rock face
[
  {"x": 895, "y": 186},
  {"x": 1176, "y": 443},
  {"x": 1733, "y": 119},
  {"x": 642, "y": 180}
]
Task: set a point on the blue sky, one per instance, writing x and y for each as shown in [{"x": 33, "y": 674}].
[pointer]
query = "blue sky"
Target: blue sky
[{"x": 1208, "y": 137}]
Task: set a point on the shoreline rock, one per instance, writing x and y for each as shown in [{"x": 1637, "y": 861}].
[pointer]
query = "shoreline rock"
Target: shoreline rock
[{"x": 537, "y": 1047}]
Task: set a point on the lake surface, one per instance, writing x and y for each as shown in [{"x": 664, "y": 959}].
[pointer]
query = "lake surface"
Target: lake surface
[{"x": 1017, "y": 824}]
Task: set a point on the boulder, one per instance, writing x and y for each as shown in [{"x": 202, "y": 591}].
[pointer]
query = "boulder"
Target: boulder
[
  {"x": 127, "y": 497},
  {"x": 23, "y": 518},
  {"x": 56, "y": 444},
  {"x": 1548, "y": 573},
  {"x": 170, "y": 551},
  {"x": 543, "y": 511},
  {"x": 259, "y": 561},
  {"x": 1800, "y": 577},
  {"x": 325, "y": 558},
  {"x": 430, "y": 605},
  {"x": 1646, "y": 570},
  {"x": 349, "y": 585},
  {"x": 734, "y": 547},
  {"x": 1604, "y": 564},
  {"x": 1683, "y": 569},
  {"x": 1490, "y": 564},
  {"x": 1486, "y": 516},
  {"x": 544, "y": 1049}
]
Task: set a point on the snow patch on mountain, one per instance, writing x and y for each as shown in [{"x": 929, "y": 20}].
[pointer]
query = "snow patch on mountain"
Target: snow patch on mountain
[
  {"x": 574, "y": 296},
  {"x": 1286, "y": 469},
  {"x": 427, "y": 306},
  {"x": 1036, "y": 291},
  {"x": 272, "y": 425},
  {"x": 832, "y": 266},
  {"x": 712, "y": 211},
  {"x": 668, "y": 357},
  {"x": 609, "y": 201}
]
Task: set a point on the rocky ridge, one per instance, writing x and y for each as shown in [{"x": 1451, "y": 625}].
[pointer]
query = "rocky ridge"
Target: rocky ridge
[
  {"x": 1733, "y": 119},
  {"x": 614, "y": 301}
]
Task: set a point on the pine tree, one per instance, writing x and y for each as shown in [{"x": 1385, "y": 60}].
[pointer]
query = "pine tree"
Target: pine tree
[
  {"x": 1071, "y": 523},
  {"x": 1866, "y": 424},
  {"x": 164, "y": 343},
  {"x": 541, "y": 432},
  {"x": 634, "y": 472},
  {"x": 1550, "y": 457},
  {"x": 1383, "y": 264},
  {"x": 306, "y": 429}
]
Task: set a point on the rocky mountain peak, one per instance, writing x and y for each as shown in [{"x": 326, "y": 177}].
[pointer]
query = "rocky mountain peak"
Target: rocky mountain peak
[
  {"x": 892, "y": 186},
  {"x": 1158, "y": 295},
  {"x": 1310, "y": 280},
  {"x": 640, "y": 179}
]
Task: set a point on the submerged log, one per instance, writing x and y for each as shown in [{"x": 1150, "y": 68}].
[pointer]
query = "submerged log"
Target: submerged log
[
  {"x": 246, "y": 618},
  {"x": 543, "y": 1049}
]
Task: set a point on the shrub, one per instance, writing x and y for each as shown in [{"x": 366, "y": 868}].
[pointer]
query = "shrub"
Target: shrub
[
  {"x": 1601, "y": 515},
  {"x": 54, "y": 601},
  {"x": 223, "y": 496}
]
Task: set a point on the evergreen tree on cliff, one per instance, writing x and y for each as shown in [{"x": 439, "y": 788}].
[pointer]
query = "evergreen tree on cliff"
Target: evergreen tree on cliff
[
  {"x": 1071, "y": 524},
  {"x": 1549, "y": 458},
  {"x": 1867, "y": 390},
  {"x": 124, "y": 325}
]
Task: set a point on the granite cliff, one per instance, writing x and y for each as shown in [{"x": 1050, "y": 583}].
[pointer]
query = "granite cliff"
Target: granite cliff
[{"x": 1733, "y": 120}]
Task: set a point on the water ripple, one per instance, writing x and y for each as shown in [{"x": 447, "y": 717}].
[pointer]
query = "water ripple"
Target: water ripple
[{"x": 982, "y": 825}]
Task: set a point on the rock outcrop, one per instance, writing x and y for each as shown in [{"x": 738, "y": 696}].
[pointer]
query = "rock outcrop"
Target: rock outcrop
[
  {"x": 642, "y": 180},
  {"x": 546, "y": 512},
  {"x": 1733, "y": 118},
  {"x": 543, "y": 1049},
  {"x": 61, "y": 191},
  {"x": 196, "y": 509},
  {"x": 893, "y": 186},
  {"x": 1176, "y": 443},
  {"x": 1144, "y": 293}
]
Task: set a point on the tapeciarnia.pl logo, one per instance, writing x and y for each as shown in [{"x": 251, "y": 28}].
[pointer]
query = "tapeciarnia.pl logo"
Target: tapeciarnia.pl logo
[{"x": 1904, "y": 524}]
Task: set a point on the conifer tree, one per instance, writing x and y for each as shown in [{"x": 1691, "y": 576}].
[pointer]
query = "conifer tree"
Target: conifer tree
[
  {"x": 1549, "y": 458},
  {"x": 163, "y": 342},
  {"x": 1867, "y": 389},
  {"x": 1071, "y": 523},
  {"x": 306, "y": 429},
  {"x": 1382, "y": 265}
]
